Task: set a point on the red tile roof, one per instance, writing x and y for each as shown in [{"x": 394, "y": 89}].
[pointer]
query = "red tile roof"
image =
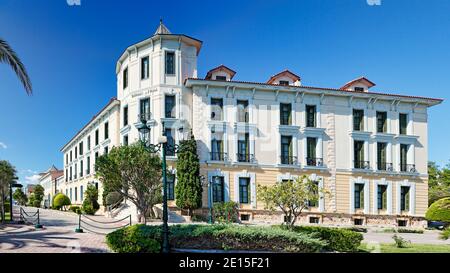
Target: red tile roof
[
  {"x": 220, "y": 67},
  {"x": 282, "y": 73},
  {"x": 360, "y": 79}
]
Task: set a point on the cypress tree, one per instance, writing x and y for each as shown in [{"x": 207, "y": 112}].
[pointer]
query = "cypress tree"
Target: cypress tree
[{"x": 188, "y": 189}]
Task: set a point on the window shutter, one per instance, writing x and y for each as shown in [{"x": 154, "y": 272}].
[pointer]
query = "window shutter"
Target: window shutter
[
  {"x": 290, "y": 148},
  {"x": 407, "y": 200},
  {"x": 289, "y": 116},
  {"x": 384, "y": 198},
  {"x": 361, "y": 196}
]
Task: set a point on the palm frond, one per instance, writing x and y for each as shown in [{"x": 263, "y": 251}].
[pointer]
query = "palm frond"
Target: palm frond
[{"x": 7, "y": 55}]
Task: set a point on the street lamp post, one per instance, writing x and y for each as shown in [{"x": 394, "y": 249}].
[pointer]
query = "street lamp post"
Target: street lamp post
[
  {"x": 162, "y": 146},
  {"x": 210, "y": 184}
]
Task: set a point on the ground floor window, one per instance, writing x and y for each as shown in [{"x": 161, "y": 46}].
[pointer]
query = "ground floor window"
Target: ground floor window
[
  {"x": 81, "y": 193},
  {"x": 359, "y": 196},
  {"x": 358, "y": 222},
  {"x": 314, "y": 220},
  {"x": 244, "y": 190},
  {"x": 404, "y": 198},
  {"x": 382, "y": 197},
  {"x": 218, "y": 189},
  {"x": 245, "y": 217}
]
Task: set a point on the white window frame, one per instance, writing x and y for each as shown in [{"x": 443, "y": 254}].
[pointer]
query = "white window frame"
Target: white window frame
[
  {"x": 366, "y": 183},
  {"x": 412, "y": 196},
  {"x": 382, "y": 181},
  {"x": 252, "y": 177}
]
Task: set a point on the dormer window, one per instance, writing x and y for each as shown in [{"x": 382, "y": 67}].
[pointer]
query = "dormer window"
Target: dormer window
[
  {"x": 220, "y": 73},
  {"x": 359, "y": 89},
  {"x": 285, "y": 78},
  {"x": 360, "y": 84},
  {"x": 284, "y": 82},
  {"x": 221, "y": 78}
]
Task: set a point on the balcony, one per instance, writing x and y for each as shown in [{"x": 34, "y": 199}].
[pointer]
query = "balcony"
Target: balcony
[
  {"x": 384, "y": 166},
  {"x": 288, "y": 160},
  {"x": 408, "y": 168},
  {"x": 362, "y": 165},
  {"x": 218, "y": 156},
  {"x": 314, "y": 161},
  {"x": 244, "y": 157}
]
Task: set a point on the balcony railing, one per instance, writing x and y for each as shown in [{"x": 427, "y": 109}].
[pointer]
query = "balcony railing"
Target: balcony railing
[
  {"x": 384, "y": 166},
  {"x": 408, "y": 168},
  {"x": 314, "y": 161},
  {"x": 288, "y": 159},
  {"x": 364, "y": 165},
  {"x": 144, "y": 117},
  {"x": 244, "y": 157},
  {"x": 218, "y": 156}
]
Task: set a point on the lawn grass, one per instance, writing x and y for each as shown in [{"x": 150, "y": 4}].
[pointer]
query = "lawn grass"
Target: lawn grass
[{"x": 412, "y": 248}]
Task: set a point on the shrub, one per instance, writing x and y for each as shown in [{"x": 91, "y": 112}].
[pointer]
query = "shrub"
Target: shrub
[
  {"x": 357, "y": 229},
  {"x": 400, "y": 242},
  {"x": 222, "y": 237},
  {"x": 113, "y": 198},
  {"x": 439, "y": 211},
  {"x": 338, "y": 239},
  {"x": 90, "y": 204},
  {"x": 407, "y": 230},
  {"x": 133, "y": 239},
  {"x": 36, "y": 203},
  {"x": 60, "y": 201},
  {"x": 445, "y": 234},
  {"x": 75, "y": 209},
  {"x": 226, "y": 212}
]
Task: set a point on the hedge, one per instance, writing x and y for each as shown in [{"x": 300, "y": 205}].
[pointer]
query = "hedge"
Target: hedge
[
  {"x": 439, "y": 211},
  {"x": 338, "y": 239},
  {"x": 133, "y": 239},
  {"x": 217, "y": 237}
]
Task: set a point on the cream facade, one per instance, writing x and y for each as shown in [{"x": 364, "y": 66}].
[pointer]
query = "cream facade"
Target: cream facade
[{"x": 369, "y": 150}]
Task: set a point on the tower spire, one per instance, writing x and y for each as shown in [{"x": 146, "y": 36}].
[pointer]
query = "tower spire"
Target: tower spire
[{"x": 162, "y": 29}]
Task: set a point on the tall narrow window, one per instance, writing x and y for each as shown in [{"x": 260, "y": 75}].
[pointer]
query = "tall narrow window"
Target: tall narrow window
[
  {"x": 244, "y": 190},
  {"x": 81, "y": 168},
  {"x": 106, "y": 130},
  {"x": 81, "y": 147},
  {"x": 315, "y": 190},
  {"x": 218, "y": 189},
  {"x": 242, "y": 106},
  {"x": 243, "y": 148},
  {"x": 311, "y": 143},
  {"x": 404, "y": 198},
  {"x": 105, "y": 151},
  {"x": 403, "y": 123},
  {"x": 81, "y": 193},
  {"x": 125, "y": 78},
  {"x": 71, "y": 194},
  {"x": 170, "y": 106},
  {"x": 285, "y": 114},
  {"x": 359, "y": 196},
  {"x": 88, "y": 165},
  {"x": 403, "y": 157},
  {"x": 382, "y": 197},
  {"x": 144, "y": 68},
  {"x": 89, "y": 143},
  {"x": 311, "y": 116},
  {"x": 125, "y": 140},
  {"x": 381, "y": 122},
  {"x": 76, "y": 194},
  {"x": 67, "y": 175},
  {"x": 170, "y": 63},
  {"x": 381, "y": 156},
  {"x": 170, "y": 187},
  {"x": 358, "y": 120},
  {"x": 75, "y": 174},
  {"x": 286, "y": 150},
  {"x": 144, "y": 109},
  {"x": 170, "y": 142},
  {"x": 96, "y": 137},
  {"x": 216, "y": 109},
  {"x": 359, "y": 154},
  {"x": 70, "y": 156},
  {"x": 67, "y": 159},
  {"x": 70, "y": 173},
  {"x": 125, "y": 116},
  {"x": 76, "y": 152},
  {"x": 217, "y": 153}
]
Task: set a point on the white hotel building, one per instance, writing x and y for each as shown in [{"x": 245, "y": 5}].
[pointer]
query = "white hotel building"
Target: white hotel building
[{"x": 368, "y": 149}]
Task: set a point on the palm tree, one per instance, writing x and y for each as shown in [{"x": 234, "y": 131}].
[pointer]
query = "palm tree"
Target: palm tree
[
  {"x": 7, "y": 176},
  {"x": 7, "y": 55}
]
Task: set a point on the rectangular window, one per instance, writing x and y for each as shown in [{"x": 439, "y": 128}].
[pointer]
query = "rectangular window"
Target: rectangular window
[
  {"x": 218, "y": 189},
  {"x": 76, "y": 152},
  {"x": 403, "y": 124},
  {"x": 88, "y": 165},
  {"x": 70, "y": 173},
  {"x": 314, "y": 220},
  {"x": 144, "y": 109},
  {"x": 81, "y": 148},
  {"x": 170, "y": 106},
  {"x": 359, "y": 89},
  {"x": 170, "y": 142},
  {"x": 285, "y": 114},
  {"x": 125, "y": 116},
  {"x": 71, "y": 194},
  {"x": 242, "y": 106},
  {"x": 125, "y": 140},
  {"x": 310, "y": 116},
  {"x": 67, "y": 159},
  {"x": 358, "y": 120},
  {"x": 89, "y": 143},
  {"x": 216, "y": 108},
  {"x": 221, "y": 78},
  {"x": 381, "y": 122},
  {"x": 170, "y": 63},
  {"x": 76, "y": 194},
  {"x": 75, "y": 174},
  {"x": 106, "y": 130},
  {"x": 283, "y": 82},
  {"x": 144, "y": 68},
  {"x": 403, "y": 157},
  {"x": 315, "y": 190},
  {"x": 81, "y": 168},
  {"x": 81, "y": 193},
  {"x": 286, "y": 150},
  {"x": 125, "y": 78},
  {"x": 67, "y": 175},
  {"x": 96, "y": 156},
  {"x": 404, "y": 198},
  {"x": 244, "y": 190},
  {"x": 382, "y": 197},
  {"x": 243, "y": 149},
  {"x": 311, "y": 143},
  {"x": 170, "y": 187},
  {"x": 70, "y": 156},
  {"x": 217, "y": 153},
  {"x": 381, "y": 156},
  {"x": 359, "y": 154},
  {"x": 105, "y": 151},
  {"x": 96, "y": 137},
  {"x": 359, "y": 196}
]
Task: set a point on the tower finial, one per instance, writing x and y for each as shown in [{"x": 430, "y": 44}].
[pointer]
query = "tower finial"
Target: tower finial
[{"x": 162, "y": 29}]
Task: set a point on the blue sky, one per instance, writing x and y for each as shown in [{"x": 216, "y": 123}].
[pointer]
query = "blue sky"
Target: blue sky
[{"x": 70, "y": 53}]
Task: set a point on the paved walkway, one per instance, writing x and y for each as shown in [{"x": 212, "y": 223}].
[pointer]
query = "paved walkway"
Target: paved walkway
[
  {"x": 428, "y": 237},
  {"x": 57, "y": 235}
]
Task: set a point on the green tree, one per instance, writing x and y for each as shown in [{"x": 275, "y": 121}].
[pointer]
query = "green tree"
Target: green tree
[
  {"x": 188, "y": 190},
  {"x": 7, "y": 176},
  {"x": 39, "y": 193},
  {"x": 7, "y": 55},
  {"x": 135, "y": 173},
  {"x": 90, "y": 203},
  {"x": 20, "y": 197},
  {"x": 60, "y": 201},
  {"x": 439, "y": 211},
  {"x": 438, "y": 182},
  {"x": 292, "y": 197}
]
